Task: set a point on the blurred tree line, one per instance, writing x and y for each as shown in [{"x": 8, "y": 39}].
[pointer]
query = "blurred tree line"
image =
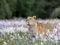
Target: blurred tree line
[{"x": 24, "y": 8}]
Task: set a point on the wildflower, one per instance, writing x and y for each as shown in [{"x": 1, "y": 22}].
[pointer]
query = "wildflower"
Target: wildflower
[
  {"x": 42, "y": 43},
  {"x": 36, "y": 44},
  {"x": 4, "y": 43}
]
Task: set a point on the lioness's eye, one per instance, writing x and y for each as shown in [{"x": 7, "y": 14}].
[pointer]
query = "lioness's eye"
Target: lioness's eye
[{"x": 29, "y": 18}]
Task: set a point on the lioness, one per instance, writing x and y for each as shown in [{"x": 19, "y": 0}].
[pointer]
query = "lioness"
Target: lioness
[{"x": 37, "y": 27}]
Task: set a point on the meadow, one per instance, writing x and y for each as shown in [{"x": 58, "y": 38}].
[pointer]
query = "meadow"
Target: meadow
[{"x": 12, "y": 32}]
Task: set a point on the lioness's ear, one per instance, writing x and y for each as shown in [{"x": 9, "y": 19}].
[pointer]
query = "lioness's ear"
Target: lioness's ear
[{"x": 34, "y": 17}]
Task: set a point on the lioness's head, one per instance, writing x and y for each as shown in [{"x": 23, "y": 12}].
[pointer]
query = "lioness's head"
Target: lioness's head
[{"x": 31, "y": 20}]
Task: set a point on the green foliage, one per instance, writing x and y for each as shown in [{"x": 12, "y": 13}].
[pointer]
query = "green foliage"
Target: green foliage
[
  {"x": 6, "y": 8},
  {"x": 56, "y": 13},
  {"x": 31, "y": 7},
  {"x": 21, "y": 33},
  {"x": 24, "y": 8}
]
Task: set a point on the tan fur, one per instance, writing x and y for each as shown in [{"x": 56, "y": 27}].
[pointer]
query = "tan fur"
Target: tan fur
[{"x": 38, "y": 27}]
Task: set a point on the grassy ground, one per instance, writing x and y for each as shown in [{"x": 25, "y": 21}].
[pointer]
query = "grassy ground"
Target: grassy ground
[{"x": 18, "y": 38}]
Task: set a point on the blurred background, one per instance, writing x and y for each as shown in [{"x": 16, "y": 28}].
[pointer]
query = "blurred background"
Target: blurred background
[{"x": 22, "y": 8}]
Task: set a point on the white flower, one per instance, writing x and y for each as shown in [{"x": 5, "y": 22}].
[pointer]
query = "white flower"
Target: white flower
[
  {"x": 42, "y": 43},
  {"x": 9, "y": 30},
  {"x": 59, "y": 24},
  {"x": 36, "y": 44},
  {"x": 22, "y": 22},
  {"x": 56, "y": 38},
  {"x": 4, "y": 43},
  {"x": 33, "y": 40}
]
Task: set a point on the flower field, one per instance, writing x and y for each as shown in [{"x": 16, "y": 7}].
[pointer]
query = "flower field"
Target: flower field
[{"x": 13, "y": 32}]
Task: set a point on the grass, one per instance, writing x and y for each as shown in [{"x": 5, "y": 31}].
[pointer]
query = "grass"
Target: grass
[
  {"x": 18, "y": 38},
  {"x": 14, "y": 39}
]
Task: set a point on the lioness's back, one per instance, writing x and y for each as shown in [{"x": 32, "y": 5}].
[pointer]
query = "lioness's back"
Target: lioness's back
[{"x": 44, "y": 27}]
